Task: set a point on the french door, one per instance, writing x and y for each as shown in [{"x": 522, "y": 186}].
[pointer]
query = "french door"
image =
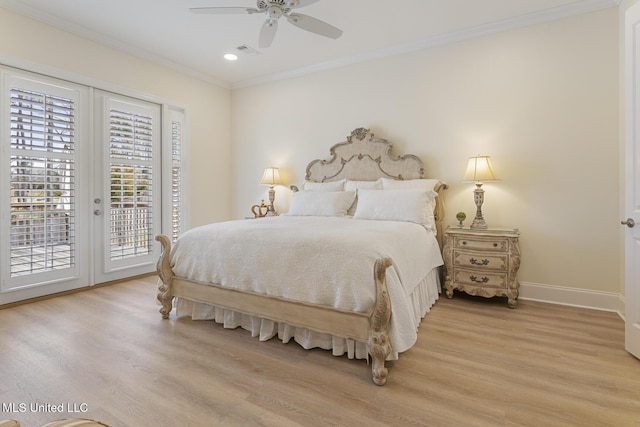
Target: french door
[
  {"x": 126, "y": 206},
  {"x": 79, "y": 186},
  {"x": 44, "y": 150}
]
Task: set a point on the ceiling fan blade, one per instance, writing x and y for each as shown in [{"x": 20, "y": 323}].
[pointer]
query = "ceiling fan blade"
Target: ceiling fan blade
[
  {"x": 295, "y": 4},
  {"x": 314, "y": 25},
  {"x": 224, "y": 10},
  {"x": 267, "y": 33}
]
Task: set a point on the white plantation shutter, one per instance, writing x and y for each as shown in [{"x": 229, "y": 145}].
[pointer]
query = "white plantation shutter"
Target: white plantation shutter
[
  {"x": 176, "y": 176},
  {"x": 42, "y": 189},
  {"x": 173, "y": 182},
  {"x": 131, "y": 177}
]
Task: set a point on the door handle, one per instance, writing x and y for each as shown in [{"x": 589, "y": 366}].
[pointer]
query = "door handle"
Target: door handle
[
  {"x": 629, "y": 222},
  {"x": 97, "y": 212}
]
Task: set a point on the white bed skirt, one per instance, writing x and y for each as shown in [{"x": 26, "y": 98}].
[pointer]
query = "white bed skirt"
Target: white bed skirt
[{"x": 422, "y": 299}]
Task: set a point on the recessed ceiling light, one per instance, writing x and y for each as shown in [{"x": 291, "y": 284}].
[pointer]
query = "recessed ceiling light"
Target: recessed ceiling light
[{"x": 230, "y": 56}]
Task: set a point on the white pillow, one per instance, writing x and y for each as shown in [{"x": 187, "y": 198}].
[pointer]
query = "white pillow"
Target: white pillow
[
  {"x": 423, "y": 184},
  {"x": 321, "y": 203},
  {"x": 396, "y": 205},
  {"x": 351, "y": 185},
  {"x": 324, "y": 186}
]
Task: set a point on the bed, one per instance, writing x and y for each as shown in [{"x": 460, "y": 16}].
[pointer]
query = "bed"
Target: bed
[{"x": 353, "y": 266}]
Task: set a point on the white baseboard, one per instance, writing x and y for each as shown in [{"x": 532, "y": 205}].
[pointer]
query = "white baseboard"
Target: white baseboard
[{"x": 596, "y": 300}]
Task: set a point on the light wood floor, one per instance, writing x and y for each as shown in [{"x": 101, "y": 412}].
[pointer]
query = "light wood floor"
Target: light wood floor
[{"x": 476, "y": 363}]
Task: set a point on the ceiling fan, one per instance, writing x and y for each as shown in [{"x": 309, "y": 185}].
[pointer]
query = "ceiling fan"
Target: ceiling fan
[{"x": 275, "y": 9}]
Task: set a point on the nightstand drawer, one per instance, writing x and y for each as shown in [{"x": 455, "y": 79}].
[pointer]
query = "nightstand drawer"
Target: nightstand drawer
[
  {"x": 481, "y": 260},
  {"x": 481, "y": 244},
  {"x": 485, "y": 279}
]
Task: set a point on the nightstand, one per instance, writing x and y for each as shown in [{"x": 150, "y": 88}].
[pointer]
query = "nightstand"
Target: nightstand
[{"x": 482, "y": 262}]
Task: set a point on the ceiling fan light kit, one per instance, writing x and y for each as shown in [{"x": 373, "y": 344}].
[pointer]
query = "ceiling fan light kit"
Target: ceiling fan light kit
[{"x": 275, "y": 9}]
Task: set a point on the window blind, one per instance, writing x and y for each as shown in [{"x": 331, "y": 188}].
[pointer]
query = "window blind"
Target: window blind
[
  {"x": 131, "y": 214},
  {"x": 42, "y": 190},
  {"x": 176, "y": 178}
]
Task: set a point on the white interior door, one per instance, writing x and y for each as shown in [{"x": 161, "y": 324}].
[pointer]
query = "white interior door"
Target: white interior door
[
  {"x": 632, "y": 178},
  {"x": 44, "y": 150},
  {"x": 126, "y": 202}
]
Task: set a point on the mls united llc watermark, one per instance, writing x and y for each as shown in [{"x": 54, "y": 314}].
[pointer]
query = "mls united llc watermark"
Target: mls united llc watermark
[{"x": 36, "y": 407}]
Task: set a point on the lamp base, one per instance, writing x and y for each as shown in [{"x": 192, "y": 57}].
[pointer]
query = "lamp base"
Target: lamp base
[
  {"x": 271, "y": 210},
  {"x": 478, "y": 224},
  {"x": 478, "y": 197}
]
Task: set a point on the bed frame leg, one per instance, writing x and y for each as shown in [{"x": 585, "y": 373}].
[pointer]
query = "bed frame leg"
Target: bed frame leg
[
  {"x": 379, "y": 345},
  {"x": 164, "y": 295}
]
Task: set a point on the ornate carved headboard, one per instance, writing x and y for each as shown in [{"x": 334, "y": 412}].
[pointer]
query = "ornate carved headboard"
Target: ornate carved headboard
[{"x": 363, "y": 157}]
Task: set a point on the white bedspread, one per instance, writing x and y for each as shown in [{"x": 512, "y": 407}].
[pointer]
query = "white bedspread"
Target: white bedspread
[{"x": 323, "y": 260}]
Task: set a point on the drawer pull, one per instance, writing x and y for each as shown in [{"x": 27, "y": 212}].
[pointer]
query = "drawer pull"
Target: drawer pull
[
  {"x": 464, "y": 242},
  {"x": 495, "y": 245},
  {"x": 476, "y": 262},
  {"x": 485, "y": 279}
]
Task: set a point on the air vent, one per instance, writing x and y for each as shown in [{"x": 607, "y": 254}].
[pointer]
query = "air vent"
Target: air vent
[{"x": 247, "y": 50}]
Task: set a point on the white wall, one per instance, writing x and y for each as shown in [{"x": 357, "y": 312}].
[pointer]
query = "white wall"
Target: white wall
[
  {"x": 39, "y": 47},
  {"x": 542, "y": 101}
]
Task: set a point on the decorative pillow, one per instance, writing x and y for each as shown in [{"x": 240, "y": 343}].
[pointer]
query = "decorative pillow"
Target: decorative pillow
[
  {"x": 324, "y": 186},
  {"x": 321, "y": 203},
  {"x": 397, "y": 205},
  {"x": 351, "y": 185}
]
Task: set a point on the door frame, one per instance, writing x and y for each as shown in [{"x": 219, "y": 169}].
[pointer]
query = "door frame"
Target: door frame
[{"x": 632, "y": 178}]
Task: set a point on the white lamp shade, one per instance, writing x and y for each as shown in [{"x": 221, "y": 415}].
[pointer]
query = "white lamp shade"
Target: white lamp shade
[
  {"x": 271, "y": 176},
  {"x": 480, "y": 169}
]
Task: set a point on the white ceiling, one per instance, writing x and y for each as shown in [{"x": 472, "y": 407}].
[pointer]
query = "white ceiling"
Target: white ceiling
[{"x": 166, "y": 32}]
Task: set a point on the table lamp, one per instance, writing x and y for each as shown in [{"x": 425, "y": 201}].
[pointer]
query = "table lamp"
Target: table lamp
[
  {"x": 271, "y": 177},
  {"x": 479, "y": 169}
]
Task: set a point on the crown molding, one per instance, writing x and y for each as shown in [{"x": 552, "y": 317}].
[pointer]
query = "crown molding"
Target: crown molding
[{"x": 553, "y": 14}]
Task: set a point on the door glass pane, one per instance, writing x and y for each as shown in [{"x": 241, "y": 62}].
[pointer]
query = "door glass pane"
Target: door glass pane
[
  {"x": 131, "y": 184},
  {"x": 42, "y": 191}
]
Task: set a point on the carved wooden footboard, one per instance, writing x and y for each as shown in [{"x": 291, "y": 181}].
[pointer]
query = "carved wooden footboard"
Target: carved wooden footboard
[{"x": 371, "y": 328}]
